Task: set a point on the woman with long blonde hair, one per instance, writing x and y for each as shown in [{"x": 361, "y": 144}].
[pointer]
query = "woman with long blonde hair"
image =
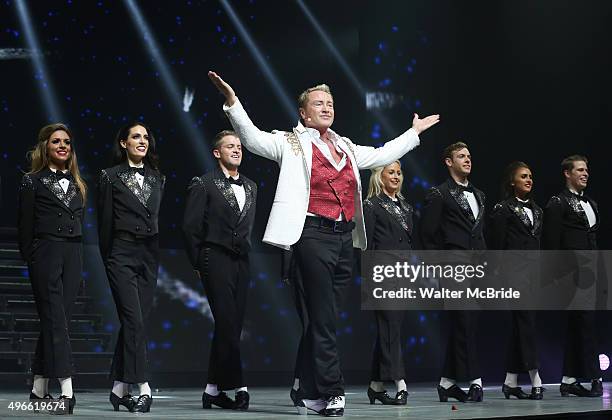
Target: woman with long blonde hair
[
  {"x": 388, "y": 222},
  {"x": 51, "y": 200}
]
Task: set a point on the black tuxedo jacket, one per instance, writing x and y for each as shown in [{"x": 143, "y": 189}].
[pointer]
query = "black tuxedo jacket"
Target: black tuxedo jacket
[
  {"x": 387, "y": 225},
  {"x": 45, "y": 209},
  {"x": 566, "y": 225},
  {"x": 511, "y": 228},
  {"x": 213, "y": 217},
  {"x": 123, "y": 206},
  {"x": 447, "y": 221}
]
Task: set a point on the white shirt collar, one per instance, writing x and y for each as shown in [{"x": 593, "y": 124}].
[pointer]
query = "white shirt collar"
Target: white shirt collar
[{"x": 140, "y": 165}]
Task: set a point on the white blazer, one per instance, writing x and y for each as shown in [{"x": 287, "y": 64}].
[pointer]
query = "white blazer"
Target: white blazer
[{"x": 293, "y": 153}]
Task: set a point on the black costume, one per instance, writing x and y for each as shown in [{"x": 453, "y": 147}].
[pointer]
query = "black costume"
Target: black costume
[
  {"x": 388, "y": 227},
  {"x": 566, "y": 227},
  {"x": 218, "y": 240},
  {"x": 128, "y": 237},
  {"x": 448, "y": 222},
  {"x": 49, "y": 224},
  {"x": 511, "y": 228}
]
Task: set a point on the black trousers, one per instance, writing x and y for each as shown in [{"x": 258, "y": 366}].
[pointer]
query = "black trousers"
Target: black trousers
[
  {"x": 225, "y": 276},
  {"x": 324, "y": 261},
  {"x": 55, "y": 273},
  {"x": 461, "y": 361},
  {"x": 387, "y": 359},
  {"x": 522, "y": 345},
  {"x": 581, "y": 359},
  {"x": 131, "y": 269}
]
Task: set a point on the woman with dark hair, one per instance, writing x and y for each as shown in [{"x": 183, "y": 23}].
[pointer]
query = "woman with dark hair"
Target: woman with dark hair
[
  {"x": 51, "y": 201},
  {"x": 129, "y": 196},
  {"x": 388, "y": 223},
  {"x": 516, "y": 223}
]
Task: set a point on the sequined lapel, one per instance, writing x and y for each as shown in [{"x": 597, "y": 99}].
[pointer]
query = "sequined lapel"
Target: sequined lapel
[
  {"x": 575, "y": 205},
  {"x": 50, "y": 181},
  {"x": 248, "y": 200},
  {"x": 401, "y": 216},
  {"x": 225, "y": 188},
  {"x": 129, "y": 180},
  {"x": 459, "y": 197},
  {"x": 537, "y": 219},
  {"x": 520, "y": 212}
]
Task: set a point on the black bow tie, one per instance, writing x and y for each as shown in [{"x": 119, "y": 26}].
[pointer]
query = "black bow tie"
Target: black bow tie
[
  {"x": 580, "y": 197},
  {"x": 524, "y": 204},
  {"x": 234, "y": 181},
  {"x": 469, "y": 188},
  {"x": 138, "y": 171},
  {"x": 59, "y": 175}
]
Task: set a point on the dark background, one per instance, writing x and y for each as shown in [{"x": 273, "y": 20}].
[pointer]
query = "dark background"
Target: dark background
[{"x": 526, "y": 80}]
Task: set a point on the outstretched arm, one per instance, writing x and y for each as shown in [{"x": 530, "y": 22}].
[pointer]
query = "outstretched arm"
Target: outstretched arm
[
  {"x": 371, "y": 157},
  {"x": 261, "y": 143}
]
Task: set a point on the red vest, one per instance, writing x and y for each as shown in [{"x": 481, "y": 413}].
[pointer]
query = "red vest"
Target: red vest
[{"x": 331, "y": 192}]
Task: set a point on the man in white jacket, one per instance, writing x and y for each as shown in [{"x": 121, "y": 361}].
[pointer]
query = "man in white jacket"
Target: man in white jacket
[{"x": 317, "y": 211}]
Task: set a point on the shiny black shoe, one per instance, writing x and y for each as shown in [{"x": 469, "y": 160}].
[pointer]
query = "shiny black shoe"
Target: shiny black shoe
[
  {"x": 221, "y": 400},
  {"x": 452, "y": 392},
  {"x": 537, "y": 393},
  {"x": 596, "y": 388},
  {"x": 575, "y": 389},
  {"x": 34, "y": 397},
  {"x": 381, "y": 396},
  {"x": 514, "y": 391},
  {"x": 475, "y": 393},
  {"x": 242, "y": 401},
  {"x": 334, "y": 408},
  {"x": 127, "y": 401},
  {"x": 293, "y": 394},
  {"x": 143, "y": 404},
  {"x": 65, "y": 406},
  {"x": 401, "y": 398}
]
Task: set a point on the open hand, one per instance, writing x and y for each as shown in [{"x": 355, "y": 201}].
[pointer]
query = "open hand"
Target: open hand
[
  {"x": 422, "y": 124},
  {"x": 222, "y": 86}
]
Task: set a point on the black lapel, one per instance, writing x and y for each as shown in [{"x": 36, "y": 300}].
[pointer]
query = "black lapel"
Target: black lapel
[
  {"x": 521, "y": 214},
  {"x": 576, "y": 207},
  {"x": 400, "y": 216},
  {"x": 479, "y": 195},
  {"x": 248, "y": 192},
  {"x": 537, "y": 218},
  {"x": 225, "y": 188},
  {"x": 459, "y": 197},
  {"x": 49, "y": 180},
  {"x": 128, "y": 178}
]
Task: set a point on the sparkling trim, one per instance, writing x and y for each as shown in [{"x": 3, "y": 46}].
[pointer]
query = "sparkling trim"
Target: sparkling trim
[
  {"x": 50, "y": 181},
  {"x": 402, "y": 216},
  {"x": 226, "y": 190}
]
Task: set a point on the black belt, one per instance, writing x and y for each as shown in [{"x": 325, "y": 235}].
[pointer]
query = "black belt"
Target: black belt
[
  {"x": 336, "y": 226},
  {"x": 49, "y": 237},
  {"x": 130, "y": 237}
]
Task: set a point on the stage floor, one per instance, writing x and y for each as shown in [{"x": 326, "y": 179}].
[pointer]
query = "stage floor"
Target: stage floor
[{"x": 274, "y": 403}]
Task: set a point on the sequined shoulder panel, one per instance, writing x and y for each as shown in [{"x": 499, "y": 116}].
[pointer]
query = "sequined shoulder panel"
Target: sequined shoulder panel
[
  {"x": 104, "y": 178},
  {"x": 434, "y": 192},
  {"x": 555, "y": 200},
  {"x": 196, "y": 181},
  {"x": 26, "y": 183}
]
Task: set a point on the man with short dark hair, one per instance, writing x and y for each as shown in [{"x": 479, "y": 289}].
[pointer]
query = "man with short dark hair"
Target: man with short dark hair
[
  {"x": 318, "y": 212},
  {"x": 219, "y": 217},
  {"x": 571, "y": 220},
  {"x": 453, "y": 218}
]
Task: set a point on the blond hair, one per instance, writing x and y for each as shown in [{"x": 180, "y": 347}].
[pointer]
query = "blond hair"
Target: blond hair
[
  {"x": 39, "y": 159},
  {"x": 375, "y": 186},
  {"x": 303, "y": 98}
]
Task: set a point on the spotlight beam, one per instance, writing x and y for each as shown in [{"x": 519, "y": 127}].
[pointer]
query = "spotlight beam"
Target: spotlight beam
[
  {"x": 40, "y": 69},
  {"x": 270, "y": 75},
  {"x": 388, "y": 127},
  {"x": 170, "y": 84}
]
